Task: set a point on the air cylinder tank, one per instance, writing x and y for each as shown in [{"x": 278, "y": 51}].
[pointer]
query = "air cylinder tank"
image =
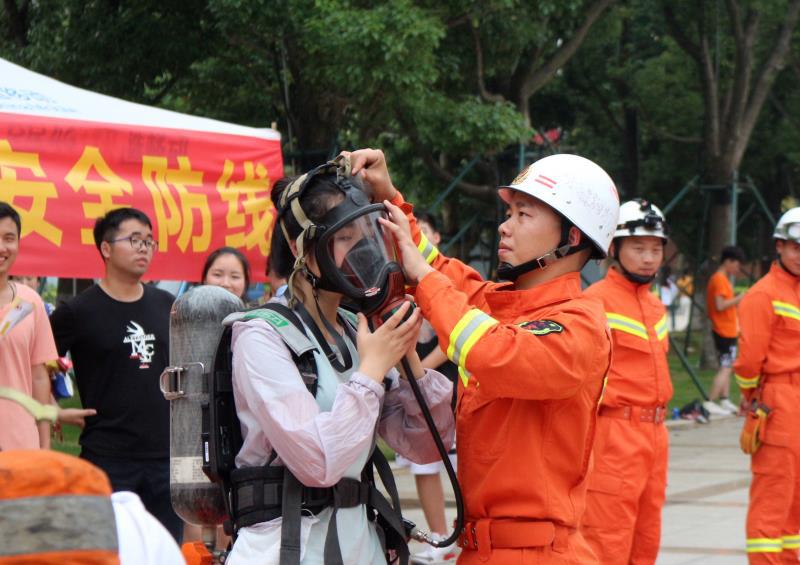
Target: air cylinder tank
[{"x": 195, "y": 327}]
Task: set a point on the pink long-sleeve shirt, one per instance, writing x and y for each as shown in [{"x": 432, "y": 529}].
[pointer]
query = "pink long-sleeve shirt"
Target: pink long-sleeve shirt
[{"x": 277, "y": 411}]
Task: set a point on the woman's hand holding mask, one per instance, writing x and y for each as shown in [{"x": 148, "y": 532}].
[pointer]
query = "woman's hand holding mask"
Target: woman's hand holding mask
[{"x": 385, "y": 347}]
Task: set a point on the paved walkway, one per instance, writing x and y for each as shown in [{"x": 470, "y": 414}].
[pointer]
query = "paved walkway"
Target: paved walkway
[{"x": 703, "y": 520}]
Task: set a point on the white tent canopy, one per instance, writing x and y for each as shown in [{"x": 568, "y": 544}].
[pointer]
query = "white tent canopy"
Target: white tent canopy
[
  {"x": 68, "y": 155},
  {"x": 25, "y": 92}
]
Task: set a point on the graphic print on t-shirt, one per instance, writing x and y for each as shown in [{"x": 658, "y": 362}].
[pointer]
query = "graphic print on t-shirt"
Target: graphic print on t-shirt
[{"x": 140, "y": 348}]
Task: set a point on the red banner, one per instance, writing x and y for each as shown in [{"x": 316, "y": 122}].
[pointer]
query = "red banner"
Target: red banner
[{"x": 201, "y": 191}]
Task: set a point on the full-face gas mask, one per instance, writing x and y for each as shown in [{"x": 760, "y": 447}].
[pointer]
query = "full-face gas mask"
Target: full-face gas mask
[{"x": 356, "y": 256}]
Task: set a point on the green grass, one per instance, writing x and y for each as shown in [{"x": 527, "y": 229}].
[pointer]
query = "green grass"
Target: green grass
[
  {"x": 71, "y": 433},
  {"x": 685, "y": 389}
]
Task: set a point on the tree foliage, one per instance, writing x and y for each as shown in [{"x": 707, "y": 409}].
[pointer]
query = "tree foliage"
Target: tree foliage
[{"x": 656, "y": 91}]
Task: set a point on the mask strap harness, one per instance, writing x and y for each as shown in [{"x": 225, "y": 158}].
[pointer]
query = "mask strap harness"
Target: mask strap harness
[{"x": 290, "y": 200}]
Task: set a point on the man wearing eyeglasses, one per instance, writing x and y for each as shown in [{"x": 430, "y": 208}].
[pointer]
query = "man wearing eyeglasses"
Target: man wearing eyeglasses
[{"x": 118, "y": 334}]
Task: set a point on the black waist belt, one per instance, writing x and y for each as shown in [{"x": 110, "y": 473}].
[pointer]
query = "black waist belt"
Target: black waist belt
[{"x": 257, "y": 495}]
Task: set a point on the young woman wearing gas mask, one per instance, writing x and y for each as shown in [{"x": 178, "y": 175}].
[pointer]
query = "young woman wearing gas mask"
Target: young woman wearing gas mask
[{"x": 326, "y": 439}]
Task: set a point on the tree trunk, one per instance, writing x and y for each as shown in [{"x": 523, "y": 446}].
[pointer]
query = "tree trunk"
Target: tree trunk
[
  {"x": 630, "y": 148},
  {"x": 719, "y": 235}
]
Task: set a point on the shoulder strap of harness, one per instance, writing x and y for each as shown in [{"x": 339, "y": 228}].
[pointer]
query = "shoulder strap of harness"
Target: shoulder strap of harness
[
  {"x": 389, "y": 515},
  {"x": 221, "y": 429},
  {"x": 284, "y": 321}
]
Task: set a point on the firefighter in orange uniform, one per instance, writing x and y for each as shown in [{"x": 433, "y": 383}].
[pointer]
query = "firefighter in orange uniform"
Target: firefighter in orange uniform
[
  {"x": 532, "y": 356},
  {"x": 768, "y": 374},
  {"x": 628, "y": 482}
]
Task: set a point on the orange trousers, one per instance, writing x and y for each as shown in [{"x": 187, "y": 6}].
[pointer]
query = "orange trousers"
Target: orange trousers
[
  {"x": 773, "y": 516},
  {"x": 627, "y": 489}
]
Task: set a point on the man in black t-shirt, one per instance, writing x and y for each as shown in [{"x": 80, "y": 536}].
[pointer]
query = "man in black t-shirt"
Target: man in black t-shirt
[{"x": 118, "y": 334}]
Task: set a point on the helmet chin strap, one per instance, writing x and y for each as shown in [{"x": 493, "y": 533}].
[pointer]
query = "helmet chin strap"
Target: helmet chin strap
[
  {"x": 634, "y": 278},
  {"x": 507, "y": 272}
]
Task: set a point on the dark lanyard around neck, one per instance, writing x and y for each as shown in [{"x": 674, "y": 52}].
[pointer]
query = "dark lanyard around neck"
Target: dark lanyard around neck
[{"x": 346, "y": 362}]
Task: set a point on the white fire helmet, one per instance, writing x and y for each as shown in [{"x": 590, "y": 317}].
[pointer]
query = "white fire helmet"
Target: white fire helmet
[
  {"x": 789, "y": 226},
  {"x": 639, "y": 217},
  {"x": 576, "y": 188}
]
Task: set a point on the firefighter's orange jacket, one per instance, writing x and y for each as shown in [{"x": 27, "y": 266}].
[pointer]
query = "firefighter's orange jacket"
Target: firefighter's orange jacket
[
  {"x": 531, "y": 364},
  {"x": 769, "y": 318},
  {"x": 639, "y": 374}
]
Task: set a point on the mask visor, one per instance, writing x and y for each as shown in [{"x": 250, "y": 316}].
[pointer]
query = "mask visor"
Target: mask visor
[{"x": 361, "y": 249}]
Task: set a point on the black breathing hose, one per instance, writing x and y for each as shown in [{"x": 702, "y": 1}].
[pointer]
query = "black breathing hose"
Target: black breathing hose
[{"x": 426, "y": 413}]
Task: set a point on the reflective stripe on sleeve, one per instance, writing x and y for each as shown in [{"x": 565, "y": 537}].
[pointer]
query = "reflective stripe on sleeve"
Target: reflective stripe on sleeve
[
  {"x": 627, "y": 325},
  {"x": 464, "y": 376},
  {"x": 791, "y": 542},
  {"x": 785, "y": 309},
  {"x": 745, "y": 382},
  {"x": 428, "y": 250},
  {"x": 465, "y": 334},
  {"x": 44, "y": 524},
  {"x": 661, "y": 328},
  {"x": 764, "y": 545}
]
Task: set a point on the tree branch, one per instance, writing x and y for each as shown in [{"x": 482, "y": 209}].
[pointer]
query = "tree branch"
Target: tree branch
[
  {"x": 795, "y": 66},
  {"x": 538, "y": 77},
  {"x": 784, "y": 112},
  {"x": 605, "y": 105},
  {"x": 485, "y": 94},
  {"x": 734, "y": 13},
  {"x": 481, "y": 191},
  {"x": 524, "y": 66},
  {"x": 458, "y": 20},
  {"x": 710, "y": 96},
  {"x": 688, "y": 139},
  {"x": 736, "y": 98},
  {"x": 466, "y": 17},
  {"x": 664, "y": 134},
  {"x": 675, "y": 29},
  {"x": 770, "y": 70}
]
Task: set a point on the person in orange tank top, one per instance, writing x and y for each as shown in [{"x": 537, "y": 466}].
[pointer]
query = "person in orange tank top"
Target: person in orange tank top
[
  {"x": 721, "y": 308},
  {"x": 628, "y": 483},
  {"x": 532, "y": 355}
]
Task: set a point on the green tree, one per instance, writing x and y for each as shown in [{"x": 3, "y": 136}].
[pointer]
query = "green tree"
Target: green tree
[{"x": 738, "y": 52}]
